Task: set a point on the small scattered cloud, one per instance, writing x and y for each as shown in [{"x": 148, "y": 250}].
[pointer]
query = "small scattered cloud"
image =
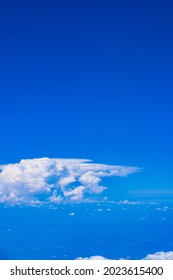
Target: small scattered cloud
[
  {"x": 129, "y": 202},
  {"x": 165, "y": 208},
  {"x": 54, "y": 180},
  {"x": 92, "y": 258},
  {"x": 72, "y": 214}
]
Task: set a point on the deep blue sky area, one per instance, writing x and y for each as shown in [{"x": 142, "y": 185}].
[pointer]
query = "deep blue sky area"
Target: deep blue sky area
[{"x": 90, "y": 79}]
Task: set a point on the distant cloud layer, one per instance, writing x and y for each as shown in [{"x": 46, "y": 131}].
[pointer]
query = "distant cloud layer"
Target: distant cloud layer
[
  {"x": 157, "y": 256},
  {"x": 47, "y": 180}
]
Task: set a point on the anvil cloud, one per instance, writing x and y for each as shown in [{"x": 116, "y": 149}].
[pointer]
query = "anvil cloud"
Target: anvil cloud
[{"x": 54, "y": 180}]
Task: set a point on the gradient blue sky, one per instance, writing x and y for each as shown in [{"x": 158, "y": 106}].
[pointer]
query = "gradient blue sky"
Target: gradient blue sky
[{"x": 90, "y": 79}]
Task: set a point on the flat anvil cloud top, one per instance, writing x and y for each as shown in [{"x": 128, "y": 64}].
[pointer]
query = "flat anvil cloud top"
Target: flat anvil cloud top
[{"x": 54, "y": 180}]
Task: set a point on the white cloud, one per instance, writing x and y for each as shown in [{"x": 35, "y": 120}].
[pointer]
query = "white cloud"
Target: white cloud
[
  {"x": 11, "y": 198},
  {"x": 72, "y": 214},
  {"x": 55, "y": 198},
  {"x": 157, "y": 256},
  {"x": 55, "y": 180},
  {"x": 129, "y": 202},
  {"x": 163, "y": 209},
  {"x": 93, "y": 258},
  {"x": 160, "y": 256}
]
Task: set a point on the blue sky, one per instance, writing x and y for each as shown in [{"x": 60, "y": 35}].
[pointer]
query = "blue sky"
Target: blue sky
[{"x": 90, "y": 79}]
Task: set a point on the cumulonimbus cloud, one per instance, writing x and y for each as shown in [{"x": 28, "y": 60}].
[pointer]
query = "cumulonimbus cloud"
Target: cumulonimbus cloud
[{"x": 53, "y": 180}]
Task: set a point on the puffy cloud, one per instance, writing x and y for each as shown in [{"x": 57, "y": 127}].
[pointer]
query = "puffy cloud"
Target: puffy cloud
[
  {"x": 160, "y": 256},
  {"x": 11, "y": 198},
  {"x": 157, "y": 256},
  {"x": 93, "y": 258},
  {"x": 55, "y": 180},
  {"x": 55, "y": 198}
]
